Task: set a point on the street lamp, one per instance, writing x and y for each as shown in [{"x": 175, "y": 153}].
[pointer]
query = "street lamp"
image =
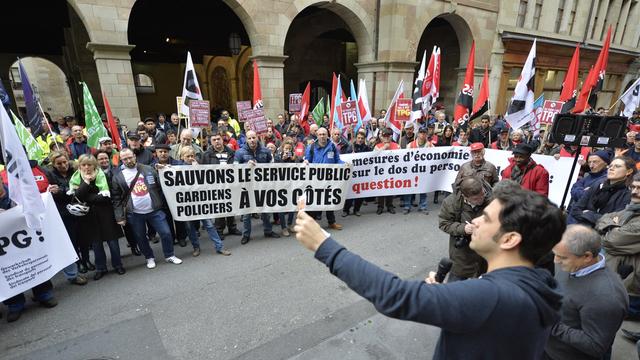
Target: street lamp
[{"x": 234, "y": 43}]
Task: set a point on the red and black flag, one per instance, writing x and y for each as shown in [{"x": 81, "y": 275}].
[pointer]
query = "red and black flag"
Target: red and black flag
[
  {"x": 569, "y": 91},
  {"x": 482, "y": 103},
  {"x": 464, "y": 104},
  {"x": 595, "y": 80}
]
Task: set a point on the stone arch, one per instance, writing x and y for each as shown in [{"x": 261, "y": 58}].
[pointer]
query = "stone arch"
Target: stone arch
[
  {"x": 360, "y": 23},
  {"x": 49, "y": 82},
  {"x": 247, "y": 21},
  {"x": 82, "y": 16},
  {"x": 460, "y": 26}
]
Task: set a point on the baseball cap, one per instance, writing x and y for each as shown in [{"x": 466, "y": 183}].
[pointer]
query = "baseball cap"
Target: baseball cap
[
  {"x": 523, "y": 149},
  {"x": 133, "y": 135},
  {"x": 104, "y": 139},
  {"x": 149, "y": 119},
  {"x": 476, "y": 146}
]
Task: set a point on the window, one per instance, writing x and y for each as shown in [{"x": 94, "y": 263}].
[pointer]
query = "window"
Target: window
[
  {"x": 16, "y": 82},
  {"x": 514, "y": 75},
  {"x": 572, "y": 16},
  {"x": 536, "y": 14},
  {"x": 144, "y": 84},
  {"x": 559, "y": 17},
  {"x": 522, "y": 12}
]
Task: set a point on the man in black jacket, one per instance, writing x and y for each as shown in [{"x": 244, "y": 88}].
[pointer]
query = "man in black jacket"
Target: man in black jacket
[
  {"x": 143, "y": 155},
  {"x": 506, "y": 314},
  {"x": 483, "y": 134},
  {"x": 141, "y": 203},
  {"x": 220, "y": 154}
]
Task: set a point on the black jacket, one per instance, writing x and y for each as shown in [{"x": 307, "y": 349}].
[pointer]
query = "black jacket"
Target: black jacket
[
  {"x": 617, "y": 198},
  {"x": 143, "y": 156},
  {"x": 481, "y": 135},
  {"x": 213, "y": 157},
  {"x": 120, "y": 191}
]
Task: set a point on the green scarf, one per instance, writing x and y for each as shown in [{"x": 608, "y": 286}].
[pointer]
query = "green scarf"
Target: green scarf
[{"x": 101, "y": 183}]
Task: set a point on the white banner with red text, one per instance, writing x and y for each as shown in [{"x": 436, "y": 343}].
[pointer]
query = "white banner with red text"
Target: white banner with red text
[
  {"x": 212, "y": 191},
  {"x": 415, "y": 171},
  {"x": 29, "y": 257}
]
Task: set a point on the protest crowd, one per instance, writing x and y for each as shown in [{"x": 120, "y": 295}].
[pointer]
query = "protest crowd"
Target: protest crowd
[{"x": 106, "y": 192}]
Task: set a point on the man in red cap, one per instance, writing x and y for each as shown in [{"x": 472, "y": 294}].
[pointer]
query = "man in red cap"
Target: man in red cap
[
  {"x": 526, "y": 172},
  {"x": 478, "y": 167}
]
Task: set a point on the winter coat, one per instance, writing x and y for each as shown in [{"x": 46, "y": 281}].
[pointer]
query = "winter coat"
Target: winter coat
[
  {"x": 211, "y": 156},
  {"x": 260, "y": 154},
  {"x": 587, "y": 212},
  {"x": 621, "y": 243},
  {"x": 100, "y": 223},
  {"x": 453, "y": 215},
  {"x": 120, "y": 191},
  {"x": 535, "y": 178},
  {"x": 486, "y": 171}
]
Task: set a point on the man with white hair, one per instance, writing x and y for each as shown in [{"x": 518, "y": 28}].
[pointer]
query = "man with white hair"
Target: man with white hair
[
  {"x": 186, "y": 139},
  {"x": 594, "y": 300}
]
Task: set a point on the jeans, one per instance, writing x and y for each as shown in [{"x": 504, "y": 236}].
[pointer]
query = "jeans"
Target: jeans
[
  {"x": 101, "y": 257},
  {"x": 406, "y": 199},
  {"x": 246, "y": 224},
  {"x": 71, "y": 271},
  {"x": 331, "y": 216},
  {"x": 41, "y": 292},
  {"x": 229, "y": 222},
  {"x": 158, "y": 220},
  {"x": 286, "y": 219},
  {"x": 213, "y": 234},
  {"x": 356, "y": 203}
]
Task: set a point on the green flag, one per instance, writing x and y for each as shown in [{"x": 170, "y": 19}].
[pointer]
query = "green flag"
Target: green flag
[
  {"x": 92, "y": 120},
  {"x": 34, "y": 151},
  {"x": 318, "y": 112}
]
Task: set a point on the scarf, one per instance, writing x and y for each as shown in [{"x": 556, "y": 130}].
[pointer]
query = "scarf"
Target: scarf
[
  {"x": 604, "y": 193},
  {"x": 101, "y": 183},
  {"x": 517, "y": 173}
]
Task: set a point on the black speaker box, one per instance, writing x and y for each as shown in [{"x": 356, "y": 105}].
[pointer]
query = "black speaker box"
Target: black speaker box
[{"x": 589, "y": 130}]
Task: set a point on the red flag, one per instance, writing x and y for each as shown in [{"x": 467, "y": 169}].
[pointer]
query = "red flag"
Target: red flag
[
  {"x": 569, "y": 90},
  {"x": 304, "y": 111},
  {"x": 431, "y": 82},
  {"x": 595, "y": 79},
  {"x": 482, "y": 104},
  {"x": 334, "y": 86},
  {"x": 390, "y": 118},
  {"x": 257, "y": 93},
  {"x": 113, "y": 128},
  {"x": 465, "y": 98}
]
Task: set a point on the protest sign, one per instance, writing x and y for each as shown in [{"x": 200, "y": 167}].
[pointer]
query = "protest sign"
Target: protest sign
[
  {"x": 403, "y": 109},
  {"x": 295, "y": 103},
  {"x": 199, "y": 113},
  {"x": 179, "y": 102},
  {"x": 212, "y": 191},
  {"x": 549, "y": 110},
  {"x": 348, "y": 113},
  {"x": 257, "y": 121},
  {"x": 413, "y": 171},
  {"x": 242, "y": 107},
  {"x": 29, "y": 257}
]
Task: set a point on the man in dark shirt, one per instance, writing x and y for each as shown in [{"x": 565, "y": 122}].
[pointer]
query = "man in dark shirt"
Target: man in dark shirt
[{"x": 506, "y": 314}]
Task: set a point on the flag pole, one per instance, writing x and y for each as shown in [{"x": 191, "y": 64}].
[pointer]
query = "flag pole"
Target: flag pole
[{"x": 53, "y": 137}]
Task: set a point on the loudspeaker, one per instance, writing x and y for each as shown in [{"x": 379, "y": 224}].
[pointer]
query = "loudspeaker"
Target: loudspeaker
[{"x": 589, "y": 130}]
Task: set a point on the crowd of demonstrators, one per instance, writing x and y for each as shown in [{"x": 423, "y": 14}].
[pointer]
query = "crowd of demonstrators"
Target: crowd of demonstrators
[{"x": 104, "y": 193}]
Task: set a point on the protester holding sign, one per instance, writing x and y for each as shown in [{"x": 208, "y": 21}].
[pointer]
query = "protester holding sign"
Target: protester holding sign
[
  {"x": 324, "y": 151},
  {"x": 98, "y": 226},
  {"x": 253, "y": 153}
]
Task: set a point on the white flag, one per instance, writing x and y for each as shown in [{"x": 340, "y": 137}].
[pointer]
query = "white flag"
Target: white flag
[
  {"x": 190, "y": 88},
  {"x": 363, "y": 102},
  {"x": 416, "y": 108},
  {"x": 520, "y": 108},
  {"x": 631, "y": 99},
  {"x": 22, "y": 184}
]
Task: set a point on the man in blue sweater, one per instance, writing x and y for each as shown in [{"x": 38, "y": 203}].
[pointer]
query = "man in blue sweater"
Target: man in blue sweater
[{"x": 506, "y": 314}]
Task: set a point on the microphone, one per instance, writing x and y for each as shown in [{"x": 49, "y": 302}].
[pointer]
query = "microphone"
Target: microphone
[{"x": 444, "y": 266}]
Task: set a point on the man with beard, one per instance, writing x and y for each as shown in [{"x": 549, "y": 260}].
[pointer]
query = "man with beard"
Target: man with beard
[
  {"x": 143, "y": 156},
  {"x": 157, "y": 136},
  {"x": 478, "y": 167},
  {"x": 526, "y": 172},
  {"x": 137, "y": 199},
  {"x": 484, "y": 133}
]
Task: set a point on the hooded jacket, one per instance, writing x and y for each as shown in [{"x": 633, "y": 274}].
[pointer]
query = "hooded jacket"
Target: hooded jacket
[
  {"x": 535, "y": 178},
  {"x": 506, "y": 314}
]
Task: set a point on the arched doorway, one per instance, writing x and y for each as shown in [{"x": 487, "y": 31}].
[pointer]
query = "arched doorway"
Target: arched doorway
[
  {"x": 57, "y": 37},
  {"x": 452, "y": 35},
  {"x": 49, "y": 84},
  {"x": 318, "y": 43},
  {"x": 213, "y": 33}
]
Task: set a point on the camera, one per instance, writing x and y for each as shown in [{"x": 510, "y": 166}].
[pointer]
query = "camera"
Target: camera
[{"x": 461, "y": 241}]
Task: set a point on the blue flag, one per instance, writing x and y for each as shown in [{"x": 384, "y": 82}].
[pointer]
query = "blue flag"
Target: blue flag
[{"x": 34, "y": 116}]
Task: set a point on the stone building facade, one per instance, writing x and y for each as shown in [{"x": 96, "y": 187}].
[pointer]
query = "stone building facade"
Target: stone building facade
[{"x": 388, "y": 38}]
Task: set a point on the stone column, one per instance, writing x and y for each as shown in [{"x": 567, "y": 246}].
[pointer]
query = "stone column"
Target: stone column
[
  {"x": 116, "y": 80},
  {"x": 382, "y": 81},
  {"x": 271, "y": 69}
]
